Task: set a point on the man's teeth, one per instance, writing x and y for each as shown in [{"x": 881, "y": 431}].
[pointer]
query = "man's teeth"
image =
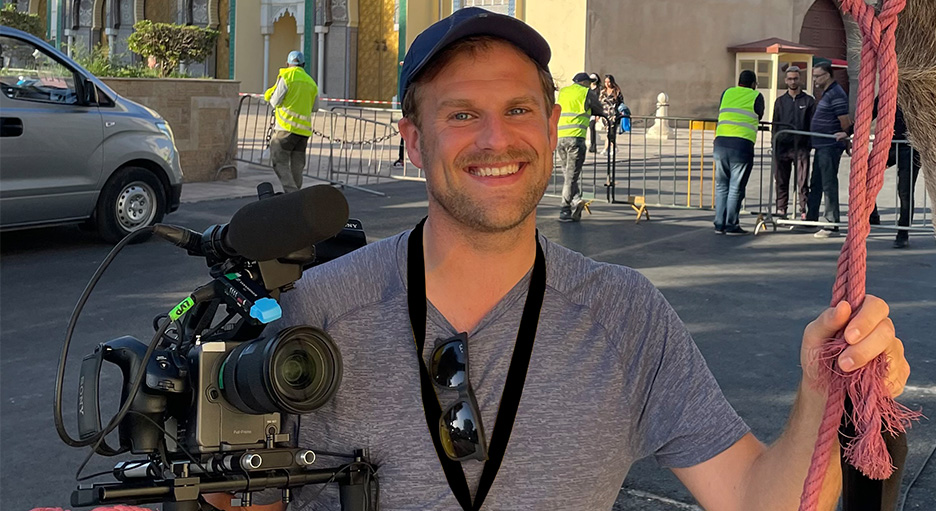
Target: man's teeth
[{"x": 505, "y": 170}]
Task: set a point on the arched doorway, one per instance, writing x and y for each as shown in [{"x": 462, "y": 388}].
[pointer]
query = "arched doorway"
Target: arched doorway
[
  {"x": 285, "y": 38},
  {"x": 824, "y": 29}
]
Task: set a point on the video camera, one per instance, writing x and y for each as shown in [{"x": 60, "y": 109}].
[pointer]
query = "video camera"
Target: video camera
[{"x": 205, "y": 401}]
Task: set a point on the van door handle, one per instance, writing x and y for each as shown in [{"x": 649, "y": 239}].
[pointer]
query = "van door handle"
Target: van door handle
[{"x": 11, "y": 126}]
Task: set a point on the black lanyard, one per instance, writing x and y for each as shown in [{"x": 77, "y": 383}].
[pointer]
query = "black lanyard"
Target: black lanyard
[{"x": 513, "y": 386}]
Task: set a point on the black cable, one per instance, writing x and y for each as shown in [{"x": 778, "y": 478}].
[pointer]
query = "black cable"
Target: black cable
[
  {"x": 371, "y": 472},
  {"x": 72, "y": 322},
  {"x": 167, "y": 339},
  {"x": 207, "y": 335},
  {"x": 174, "y": 439},
  {"x": 92, "y": 476},
  {"x": 332, "y": 479}
]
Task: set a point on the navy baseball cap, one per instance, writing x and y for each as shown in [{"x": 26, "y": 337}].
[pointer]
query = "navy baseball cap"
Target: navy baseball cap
[{"x": 467, "y": 22}]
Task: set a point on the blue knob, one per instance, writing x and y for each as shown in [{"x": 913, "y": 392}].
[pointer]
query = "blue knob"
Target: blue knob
[{"x": 266, "y": 310}]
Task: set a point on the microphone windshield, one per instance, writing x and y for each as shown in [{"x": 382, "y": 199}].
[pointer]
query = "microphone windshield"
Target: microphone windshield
[{"x": 276, "y": 227}]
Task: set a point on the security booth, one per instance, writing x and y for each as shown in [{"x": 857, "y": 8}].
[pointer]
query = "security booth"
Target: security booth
[{"x": 769, "y": 59}]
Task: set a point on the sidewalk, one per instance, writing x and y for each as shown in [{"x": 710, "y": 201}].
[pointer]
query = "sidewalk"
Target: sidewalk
[{"x": 245, "y": 185}]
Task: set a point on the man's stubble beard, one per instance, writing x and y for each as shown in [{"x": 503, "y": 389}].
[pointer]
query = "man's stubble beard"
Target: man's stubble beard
[{"x": 473, "y": 212}]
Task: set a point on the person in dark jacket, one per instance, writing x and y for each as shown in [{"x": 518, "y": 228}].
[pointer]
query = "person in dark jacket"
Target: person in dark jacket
[
  {"x": 907, "y": 160},
  {"x": 593, "y": 120},
  {"x": 792, "y": 111}
]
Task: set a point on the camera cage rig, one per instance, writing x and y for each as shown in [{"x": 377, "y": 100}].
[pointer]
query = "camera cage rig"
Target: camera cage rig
[{"x": 172, "y": 474}]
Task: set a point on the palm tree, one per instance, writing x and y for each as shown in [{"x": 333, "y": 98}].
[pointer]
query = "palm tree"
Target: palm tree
[{"x": 916, "y": 58}]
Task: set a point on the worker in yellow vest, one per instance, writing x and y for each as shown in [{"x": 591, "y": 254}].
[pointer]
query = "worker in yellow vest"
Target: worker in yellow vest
[
  {"x": 578, "y": 102},
  {"x": 739, "y": 115},
  {"x": 293, "y": 98}
]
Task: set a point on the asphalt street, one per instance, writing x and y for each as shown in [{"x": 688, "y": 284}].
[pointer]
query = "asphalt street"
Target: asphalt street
[{"x": 745, "y": 300}]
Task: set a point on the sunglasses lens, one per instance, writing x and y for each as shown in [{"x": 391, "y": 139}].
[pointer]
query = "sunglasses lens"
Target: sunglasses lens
[
  {"x": 448, "y": 364},
  {"x": 459, "y": 431}
]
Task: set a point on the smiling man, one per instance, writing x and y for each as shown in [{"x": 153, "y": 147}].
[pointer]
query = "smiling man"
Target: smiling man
[{"x": 486, "y": 365}]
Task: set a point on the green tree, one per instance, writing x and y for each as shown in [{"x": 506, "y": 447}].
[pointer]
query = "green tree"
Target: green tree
[
  {"x": 24, "y": 21},
  {"x": 170, "y": 44}
]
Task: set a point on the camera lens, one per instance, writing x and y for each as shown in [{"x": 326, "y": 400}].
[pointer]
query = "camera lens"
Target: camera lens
[
  {"x": 295, "y": 371},
  {"x": 298, "y": 370}
]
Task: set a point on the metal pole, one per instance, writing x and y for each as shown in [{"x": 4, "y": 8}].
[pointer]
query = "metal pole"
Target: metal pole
[
  {"x": 320, "y": 70},
  {"x": 266, "y": 61}
]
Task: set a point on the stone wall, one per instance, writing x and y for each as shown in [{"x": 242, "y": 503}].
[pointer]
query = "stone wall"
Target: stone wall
[
  {"x": 200, "y": 112},
  {"x": 679, "y": 47}
]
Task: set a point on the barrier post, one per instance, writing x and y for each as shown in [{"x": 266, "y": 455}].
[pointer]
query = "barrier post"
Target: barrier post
[{"x": 701, "y": 125}]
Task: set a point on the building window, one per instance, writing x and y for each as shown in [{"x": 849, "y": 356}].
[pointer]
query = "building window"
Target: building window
[
  {"x": 507, "y": 7},
  {"x": 761, "y": 68}
]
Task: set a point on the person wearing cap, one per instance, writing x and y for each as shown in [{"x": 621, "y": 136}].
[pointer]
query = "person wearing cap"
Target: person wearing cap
[
  {"x": 579, "y": 103},
  {"x": 445, "y": 327},
  {"x": 593, "y": 120},
  {"x": 738, "y": 116},
  {"x": 293, "y": 98}
]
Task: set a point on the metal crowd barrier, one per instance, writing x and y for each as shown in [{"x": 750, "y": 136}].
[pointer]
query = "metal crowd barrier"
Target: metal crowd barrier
[
  {"x": 344, "y": 149},
  {"x": 403, "y": 169},
  {"x": 661, "y": 161},
  {"x": 384, "y": 115},
  {"x": 887, "y": 201},
  {"x": 667, "y": 162}
]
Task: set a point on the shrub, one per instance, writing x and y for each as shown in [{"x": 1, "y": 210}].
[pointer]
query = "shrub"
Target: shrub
[
  {"x": 24, "y": 21},
  {"x": 102, "y": 64},
  {"x": 170, "y": 45}
]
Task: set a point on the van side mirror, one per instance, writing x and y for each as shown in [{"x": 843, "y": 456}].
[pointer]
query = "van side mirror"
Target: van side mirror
[{"x": 88, "y": 92}]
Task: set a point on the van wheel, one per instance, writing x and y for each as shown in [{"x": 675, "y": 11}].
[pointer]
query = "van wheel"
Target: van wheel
[{"x": 132, "y": 199}]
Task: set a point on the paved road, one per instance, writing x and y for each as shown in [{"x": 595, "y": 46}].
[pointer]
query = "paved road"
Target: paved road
[{"x": 744, "y": 299}]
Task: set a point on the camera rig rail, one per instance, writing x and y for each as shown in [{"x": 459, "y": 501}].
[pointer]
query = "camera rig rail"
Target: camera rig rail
[{"x": 181, "y": 490}]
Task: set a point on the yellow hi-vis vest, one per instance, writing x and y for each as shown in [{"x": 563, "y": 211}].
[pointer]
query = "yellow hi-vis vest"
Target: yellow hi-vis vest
[
  {"x": 294, "y": 114},
  {"x": 574, "y": 120},
  {"x": 736, "y": 116}
]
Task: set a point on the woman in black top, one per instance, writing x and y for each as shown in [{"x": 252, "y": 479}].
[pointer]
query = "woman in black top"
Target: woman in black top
[{"x": 611, "y": 97}]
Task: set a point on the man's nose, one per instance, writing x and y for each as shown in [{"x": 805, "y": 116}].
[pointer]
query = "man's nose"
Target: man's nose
[{"x": 494, "y": 133}]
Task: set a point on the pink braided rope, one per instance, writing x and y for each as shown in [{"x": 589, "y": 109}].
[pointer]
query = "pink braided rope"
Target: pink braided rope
[{"x": 866, "y": 387}]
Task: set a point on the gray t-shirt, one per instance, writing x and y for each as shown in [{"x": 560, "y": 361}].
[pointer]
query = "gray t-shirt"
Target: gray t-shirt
[{"x": 614, "y": 377}]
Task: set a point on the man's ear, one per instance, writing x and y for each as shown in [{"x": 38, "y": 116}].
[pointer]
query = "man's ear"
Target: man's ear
[
  {"x": 554, "y": 126},
  {"x": 411, "y": 138}
]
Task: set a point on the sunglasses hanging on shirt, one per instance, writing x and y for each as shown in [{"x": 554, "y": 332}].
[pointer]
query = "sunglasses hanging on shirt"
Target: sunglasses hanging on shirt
[{"x": 460, "y": 428}]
